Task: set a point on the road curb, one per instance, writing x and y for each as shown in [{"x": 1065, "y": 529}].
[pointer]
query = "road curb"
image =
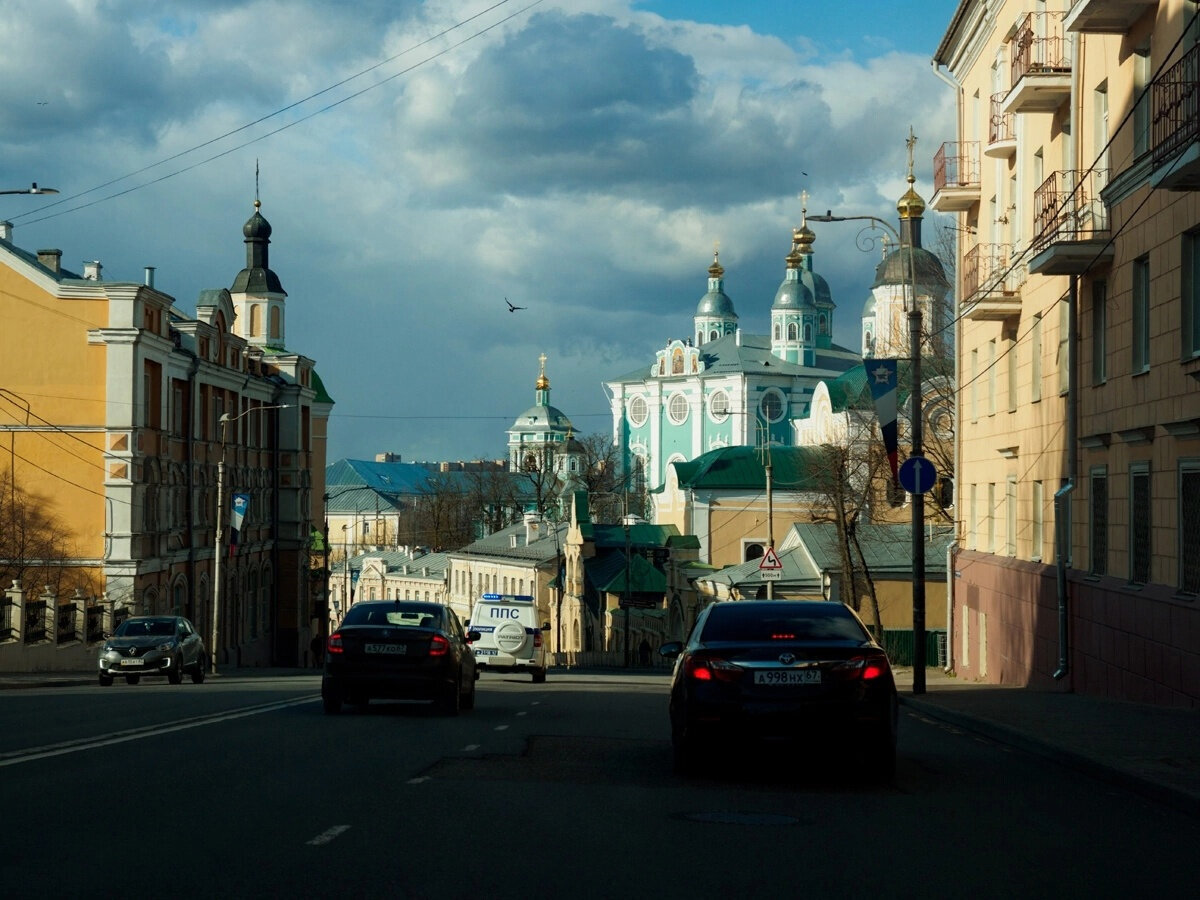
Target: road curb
[{"x": 1096, "y": 768}]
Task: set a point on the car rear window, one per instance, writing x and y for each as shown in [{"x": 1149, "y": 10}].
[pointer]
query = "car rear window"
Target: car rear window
[
  {"x": 766, "y": 622},
  {"x": 392, "y": 614}
]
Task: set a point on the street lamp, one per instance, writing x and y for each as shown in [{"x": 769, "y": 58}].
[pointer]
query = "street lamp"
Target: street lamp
[
  {"x": 918, "y": 505},
  {"x": 33, "y": 189},
  {"x": 224, "y": 421}
]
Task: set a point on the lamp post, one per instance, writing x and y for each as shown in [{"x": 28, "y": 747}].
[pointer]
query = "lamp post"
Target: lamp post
[
  {"x": 918, "y": 505},
  {"x": 220, "y": 534},
  {"x": 33, "y": 189}
]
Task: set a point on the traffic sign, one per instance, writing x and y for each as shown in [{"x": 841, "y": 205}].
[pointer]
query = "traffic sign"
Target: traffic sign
[
  {"x": 918, "y": 475},
  {"x": 770, "y": 575},
  {"x": 770, "y": 560}
]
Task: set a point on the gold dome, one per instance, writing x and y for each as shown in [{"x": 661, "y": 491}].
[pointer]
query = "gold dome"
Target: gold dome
[
  {"x": 716, "y": 270},
  {"x": 911, "y": 206}
]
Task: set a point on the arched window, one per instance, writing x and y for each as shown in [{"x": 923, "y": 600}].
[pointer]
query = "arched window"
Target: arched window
[
  {"x": 791, "y": 331},
  {"x": 823, "y": 324},
  {"x": 713, "y": 335},
  {"x": 255, "y": 320},
  {"x": 276, "y": 322},
  {"x": 808, "y": 332},
  {"x": 777, "y": 332}
]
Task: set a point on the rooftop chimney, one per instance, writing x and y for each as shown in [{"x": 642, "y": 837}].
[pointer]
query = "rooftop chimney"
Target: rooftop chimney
[
  {"x": 149, "y": 276},
  {"x": 51, "y": 259},
  {"x": 6, "y": 231},
  {"x": 533, "y": 523},
  {"x": 91, "y": 270}
]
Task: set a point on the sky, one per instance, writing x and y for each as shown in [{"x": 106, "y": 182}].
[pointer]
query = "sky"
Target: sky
[{"x": 420, "y": 162}]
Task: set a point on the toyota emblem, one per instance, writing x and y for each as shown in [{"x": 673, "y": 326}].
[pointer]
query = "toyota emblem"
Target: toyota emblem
[{"x": 786, "y": 659}]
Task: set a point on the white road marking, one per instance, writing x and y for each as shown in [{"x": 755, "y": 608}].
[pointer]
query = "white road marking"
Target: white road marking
[
  {"x": 522, "y": 713},
  {"x": 501, "y": 728},
  {"x": 420, "y": 779},
  {"x": 328, "y": 835},
  {"x": 470, "y": 748},
  {"x": 16, "y": 757}
]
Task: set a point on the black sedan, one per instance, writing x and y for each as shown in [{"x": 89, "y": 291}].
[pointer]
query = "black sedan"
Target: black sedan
[
  {"x": 153, "y": 645},
  {"x": 399, "y": 650},
  {"x": 804, "y": 671}
]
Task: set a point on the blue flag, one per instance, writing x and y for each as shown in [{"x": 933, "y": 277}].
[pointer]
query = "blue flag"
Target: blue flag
[{"x": 241, "y": 503}]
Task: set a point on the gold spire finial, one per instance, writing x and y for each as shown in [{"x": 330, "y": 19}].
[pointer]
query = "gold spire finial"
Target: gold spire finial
[
  {"x": 912, "y": 143},
  {"x": 911, "y": 206},
  {"x": 716, "y": 270},
  {"x": 543, "y": 383}
]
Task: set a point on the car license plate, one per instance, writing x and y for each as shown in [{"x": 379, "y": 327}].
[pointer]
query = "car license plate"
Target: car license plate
[
  {"x": 788, "y": 676},
  {"x": 391, "y": 649},
  {"x": 486, "y": 652},
  {"x": 133, "y": 662}
]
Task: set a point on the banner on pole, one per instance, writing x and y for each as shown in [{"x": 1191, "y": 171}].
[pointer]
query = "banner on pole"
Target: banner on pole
[
  {"x": 881, "y": 375},
  {"x": 241, "y": 503}
]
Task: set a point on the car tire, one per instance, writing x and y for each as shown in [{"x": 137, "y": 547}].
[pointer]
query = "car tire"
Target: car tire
[
  {"x": 105, "y": 680},
  {"x": 175, "y": 673},
  {"x": 200, "y": 671},
  {"x": 450, "y": 702},
  {"x": 331, "y": 702},
  {"x": 468, "y": 702},
  {"x": 132, "y": 679},
  {"x": 539, "y": 676}
]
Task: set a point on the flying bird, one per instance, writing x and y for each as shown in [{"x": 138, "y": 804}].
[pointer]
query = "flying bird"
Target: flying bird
[{"x": 512, "y": 308}]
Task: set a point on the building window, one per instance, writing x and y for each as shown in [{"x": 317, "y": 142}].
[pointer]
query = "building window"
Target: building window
[
  {"x": 713, "y": 335},
  {"x": 991, "y": 373},
  {"x": 1141, "y": 315},
  {"x": 1010, "y": 370},
  {"x": 1139, "y": 523},
  {"x": 1099, "y": 332},
  {"x": 1142, "y": 98},
  {"x": 677, "y": 408},
  {"x": 638, "y": 411},
  {"x": 1189, "y": 526},
  {"x": 975, "y": 385},
  {"x": 991, "y": 518},
  {"x": 1064, "y": 349},
  {"x": 1035, "y": 359},
  {"x": 772, "y": 406},
  {"x": 1098, "y": 563},
  {"x": 1010, "y": 516},
  {"x": 776, "y": 332},
  {"x": 791, "y": 331},
  {"x": 1037, "y": 520},
  {"x": 1190, "y": 294},
  {"x": 718, "y": 406}
]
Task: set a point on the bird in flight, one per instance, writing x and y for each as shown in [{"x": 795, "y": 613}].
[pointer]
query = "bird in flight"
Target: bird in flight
[{"x": 512, "y": 308}]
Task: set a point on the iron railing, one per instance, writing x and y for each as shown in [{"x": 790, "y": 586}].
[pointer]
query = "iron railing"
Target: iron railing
[
  {"x": 956, "y": 164},
  {"x": 987, "y": 270},
  {"x": 1067, "y": 207},
  {"x": 1001, "y": 124},
  {"x": 1040, "y": 46},
  {"x": 1175, "y": 117}
]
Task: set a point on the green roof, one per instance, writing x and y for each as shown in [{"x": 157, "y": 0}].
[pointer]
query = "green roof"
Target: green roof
[{"x": 796, "y": 468}]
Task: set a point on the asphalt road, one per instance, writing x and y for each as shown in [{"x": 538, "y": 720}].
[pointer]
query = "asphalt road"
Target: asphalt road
[{"x": 563, "y": 789}]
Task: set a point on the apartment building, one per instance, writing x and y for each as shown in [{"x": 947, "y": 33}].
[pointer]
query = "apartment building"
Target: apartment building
[
  {"x": 128, "y": 423},
  {"x": 1073, "y": 178}
]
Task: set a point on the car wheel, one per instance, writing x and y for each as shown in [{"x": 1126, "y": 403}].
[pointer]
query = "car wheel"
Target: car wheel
[
  {"x": 331, "y": 701},
  {"x": 132, "y": 679},
  {"x": 175, "y": 673},
  {"x": 468, "y": 702},
  {"x": 539, "y": 676},
  {"x": 105, "y": 680},
  {"x": 199, "y": 672},
  {"x": 451, "y": 700}
]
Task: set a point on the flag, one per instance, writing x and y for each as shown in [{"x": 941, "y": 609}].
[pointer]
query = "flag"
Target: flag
[
  {"x": 881, "y": 375},
  {"x": 241, "y": 503}
]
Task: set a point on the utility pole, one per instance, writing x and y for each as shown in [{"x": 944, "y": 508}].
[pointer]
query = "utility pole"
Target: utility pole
[{"x": 770, "y": 517}]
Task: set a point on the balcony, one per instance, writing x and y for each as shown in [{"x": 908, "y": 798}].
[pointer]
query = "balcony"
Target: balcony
[
  {"x": 1041, "y": 65},
  {"x": 1002, "y": 136},
  {"x": 1106, "y": 16},
  {"x": 1175, "y": 125},
  {"x": 991, "y": 284},
  {"x": 956, "y": 176},
  {"x": 1070, "y": 223}
]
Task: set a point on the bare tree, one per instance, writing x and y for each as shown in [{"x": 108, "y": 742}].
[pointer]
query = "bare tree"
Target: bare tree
[{"x": 33, "y": 548}]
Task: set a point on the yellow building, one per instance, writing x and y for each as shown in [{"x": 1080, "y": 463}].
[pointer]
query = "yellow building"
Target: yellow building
[
  {"x": 1073, "y": 178},
  {"x": 115, "y": 409}
]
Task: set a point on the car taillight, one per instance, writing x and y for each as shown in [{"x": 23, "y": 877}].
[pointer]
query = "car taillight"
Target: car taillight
[
  {"x": 438, "y": 646},
  {"x": 702, "y": 668},
  {"x": 537, "y": 639},
  {"x": 866, "y": 668},
  {"x": 335, "y": 644}
]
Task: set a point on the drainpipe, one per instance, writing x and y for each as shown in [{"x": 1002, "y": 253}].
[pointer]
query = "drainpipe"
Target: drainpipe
[
  {"x": 189, "y": 426},
  {"x": 1062, "y": 495}
]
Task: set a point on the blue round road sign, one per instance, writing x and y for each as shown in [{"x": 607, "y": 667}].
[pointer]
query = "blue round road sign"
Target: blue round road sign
[{"x": 917, "y": 475}]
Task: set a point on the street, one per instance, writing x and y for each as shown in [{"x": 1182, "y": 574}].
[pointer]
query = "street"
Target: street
[{"x": 563, "y": 789}]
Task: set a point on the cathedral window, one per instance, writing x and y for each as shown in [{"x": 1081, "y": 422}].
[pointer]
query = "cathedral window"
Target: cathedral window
[
  {"x": 777, "y": 332},
  {"x": 677, "y": 408},
  {"x": 808, "y": 332},
  {"x": 718, "y": 406},
  {"x": 771, "y": 406},
  {"x": 823, "y": 324},
  {"x": 791, "y": 331},
  {"x": 713, "y": 335},
  {"x": 677, "y": 362},
  {"x": 638, "y": 411}
]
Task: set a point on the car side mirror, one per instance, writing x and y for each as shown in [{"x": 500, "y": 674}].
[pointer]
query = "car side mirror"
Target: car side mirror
[
  {"x": 545, "y": 626},
  {"x": 473, "y": 636},
  {"x": 671, "y": 649}
]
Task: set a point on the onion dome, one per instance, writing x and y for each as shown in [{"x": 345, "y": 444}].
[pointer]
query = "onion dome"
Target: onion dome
[
  {"x": 716, "y": 302},
  {"x": 257, "y": 277}
]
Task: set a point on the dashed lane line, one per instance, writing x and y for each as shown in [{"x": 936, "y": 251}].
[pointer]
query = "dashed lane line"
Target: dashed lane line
[{"x": 327, "y": 835}]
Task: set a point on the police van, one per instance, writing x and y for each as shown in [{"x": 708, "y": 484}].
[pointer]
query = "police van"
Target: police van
[{"x": 510, "y": 636}]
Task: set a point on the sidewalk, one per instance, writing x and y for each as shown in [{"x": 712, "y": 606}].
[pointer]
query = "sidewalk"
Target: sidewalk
[{"x": 1150, "y": 749}]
